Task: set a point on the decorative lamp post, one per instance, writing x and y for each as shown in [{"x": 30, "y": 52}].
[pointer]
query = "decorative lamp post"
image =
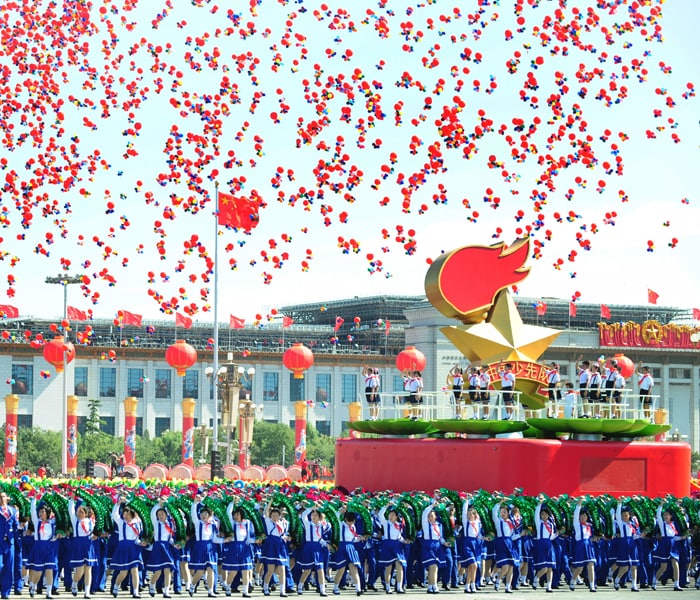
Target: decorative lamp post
[
  {"x": 11, "y": 404},
  {"x": 180, "y": 356},
  {"x": 65, "y": 281},
  {"x": 410, "y": 359},
  {"x": 245, "y": 435}
]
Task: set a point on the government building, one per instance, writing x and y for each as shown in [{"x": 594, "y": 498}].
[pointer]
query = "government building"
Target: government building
[{"x": 345, "y": 336}]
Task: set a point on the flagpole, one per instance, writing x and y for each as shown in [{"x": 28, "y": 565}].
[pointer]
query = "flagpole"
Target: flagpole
[{"x": 215, "y": 360}]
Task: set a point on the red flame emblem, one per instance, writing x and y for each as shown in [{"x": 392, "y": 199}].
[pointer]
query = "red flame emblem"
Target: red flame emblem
[{"x": 463, "y": 284}]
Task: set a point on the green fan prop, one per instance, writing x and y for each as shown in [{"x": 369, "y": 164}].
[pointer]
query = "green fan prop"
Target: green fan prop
[
  {"x": 143, "y": 510},
  {"x": 178, "y": 517},
  {"x": 17, "y": 498},
  {"x": 251, "y": 513},
  {"x": 363, "y": 513},
  {"x": 218, "y": 509}
]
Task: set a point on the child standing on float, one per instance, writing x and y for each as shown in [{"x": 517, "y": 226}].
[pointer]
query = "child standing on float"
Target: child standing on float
[
  {"x": 43, "y": 559},
  {"x": 82, "y": 551}
]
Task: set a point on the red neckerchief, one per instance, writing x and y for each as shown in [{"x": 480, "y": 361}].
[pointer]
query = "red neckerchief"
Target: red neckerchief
[
  {"x": 82, "y": 524},
  {"x": 352, "y": 530},
  {"x": 41, "y": 528},
  {"x": 242, "y": 527},
  {"x": 279, "y": 527},
  {"x": 5, "y": 511},
  {"x": 549, "y": 526},
  {"x": 588, "y": 527},
  {"x": 436, "y": 530},
  {"x": 475, "y": 525},
  {"x": 167, "y": 527},
  {"x": 318, "y": 531},
  {"x": 133, "y": 528},
  {"x": 672, "y": 527}
]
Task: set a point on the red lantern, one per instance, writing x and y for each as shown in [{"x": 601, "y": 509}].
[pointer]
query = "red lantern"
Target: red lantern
[
  {"x": 181, "y": 356},
  {"x": 297, "y": 359},
  {"x": 54, "y": 350},
  {"x": 410, "y": 359},
  {"x": 626, "y": 365}
]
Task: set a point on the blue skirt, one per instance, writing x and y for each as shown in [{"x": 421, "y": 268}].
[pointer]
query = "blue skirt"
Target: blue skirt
[
  {"x": 545, "y": 557},
  {"x": 430, "y": 552},
  {"x": 43, "y": 556},
  {"x": 390, "y": 552},
  {"x": 505, "y": 553},
  {"x": 274, "y": 551},
  {"x": 127, "y": 555},
  {"x": 527, "y": 548},
  {"x": 584, "y": 552},
  {"x": 160, "y": 557},
  {"x": 471, "y": 551},
  {"x": 203, "y": 555},
  {"x": 627, "y": 552},
  {"x": 311, "y": 556},
  {"x": 82, "y": 552},
  {"x": 238, "y": 556},
  {"x": 666, "y": 549},
  {"x": 344, "y": 555}
]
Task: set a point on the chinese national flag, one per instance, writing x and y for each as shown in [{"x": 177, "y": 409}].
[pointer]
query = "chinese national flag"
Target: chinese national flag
[
  {"x": 604, "y": 312},
  {"x": 287, "y": 321},
  {"x": 572, "y": 309},
  {"x": 239, "y": 211},
  {"x": 652, "y": 296},
  {"x": 541, "y": 308},
  {"x": 338, "y": 323},
  {"x": 129, "y": 318},
  {"x": 11, "y": 312},
  {"x": 696, "y": 314},
  {"x": 183, "y": 321},
  {"x": 235, "y": 322},
  {"x": 75, "y": 314}
]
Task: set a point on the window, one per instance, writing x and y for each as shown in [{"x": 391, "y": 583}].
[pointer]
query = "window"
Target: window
[
  {"x": 564, "y": 370},
  {"x": 163, "y": 383},
  {"x": 397, "y": 384},
  {"x": 349, "y": 388},
  {"x": 190, "y": 384},
  {"x": 139, "y": 426},
  {"x": 345, "y": 426},
  {"x": 271, "y": 387},
  {"x": 108, "y": 382},
  {"x": 24, "y": 421},
  {"x": 323, "y": 387},
  {"x": 80, "y": 381},
  {"x": 246, "y": 384},
  {"x": 297, "y": 389},
  {"x": 323, "y": 427},
  {"x": 22, "y": 379},
  {"x": 108, "y": 425},
  {"x": 656, "y": 373},
  {"x": 135, "y": 382},
  {"x": 81, "y": 424},
  {"x": 162, "y": 425},
  {"x": 678, "y": 373}
]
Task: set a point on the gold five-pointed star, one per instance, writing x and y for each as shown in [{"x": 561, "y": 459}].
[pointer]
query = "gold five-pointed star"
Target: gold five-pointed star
[{"x": 502, "y": 336}]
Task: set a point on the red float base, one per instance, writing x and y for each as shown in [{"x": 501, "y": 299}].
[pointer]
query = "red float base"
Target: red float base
[{"x": 550, "y": 466}]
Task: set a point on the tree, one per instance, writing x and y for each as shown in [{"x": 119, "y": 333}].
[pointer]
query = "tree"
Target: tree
[
  {"x": 37, "y": 447},
  {"x": 93, "y": 421},
  {"x": 268, "y": 441},
  {"x": 319, "y": 446}
]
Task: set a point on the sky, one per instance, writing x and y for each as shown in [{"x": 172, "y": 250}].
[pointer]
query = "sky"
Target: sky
[{"x": 377, "y": 134}]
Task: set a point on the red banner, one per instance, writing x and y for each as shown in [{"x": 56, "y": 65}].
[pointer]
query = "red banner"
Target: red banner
[
  {"x": 71, "y": 440},
  {"x": 188, "y": 405},
  {"x": 130, "y": 405},
  {"x": 650, "y": 334}
]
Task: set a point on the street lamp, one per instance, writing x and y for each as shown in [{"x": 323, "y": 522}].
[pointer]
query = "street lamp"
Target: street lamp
[{"x": 65, "y": 281}]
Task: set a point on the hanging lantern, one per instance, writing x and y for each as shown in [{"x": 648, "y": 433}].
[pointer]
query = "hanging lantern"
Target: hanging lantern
[
  {"x": 54, "y": 350},
  {"x": 181, "y": 356},
  {"x": 297, "y": 359},
  {"x": 410, "y": 359},
  {"x": 626, "y": 365}
]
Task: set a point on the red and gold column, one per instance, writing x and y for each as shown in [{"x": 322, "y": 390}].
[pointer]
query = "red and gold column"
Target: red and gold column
[
  {"x": 130, "y": 405},
  {"x": 355, "y": 414},
  {"x": 300, "y": 413},
  {"x": 188, "y": 405},
  {"x": 11, "y": 403},
  {"x": 72, "y": 435}
]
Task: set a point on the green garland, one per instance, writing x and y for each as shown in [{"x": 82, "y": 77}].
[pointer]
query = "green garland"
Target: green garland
[
  {"x": 409, "y": 524},
  {"x": 296, "y": 529},
  {"x": 178, "y": 518},
  {"x": 143, "y": 510},
  {"x": 355, "y": 505},
  {"x": 17, "y": 498},
  {"x": 59, "y": 506},
  {"x": 184, "y": 504},
  {"x": 332, "y": 518},
  {"x": 102, "y": 516},
  {"x": 692, "y": 509},
  {"x": 678, "y": 516},
  {"x": 218, "y": 509},
  {"x": 251, "y": 513}
]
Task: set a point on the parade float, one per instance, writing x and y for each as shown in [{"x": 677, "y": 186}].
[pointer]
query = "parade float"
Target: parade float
[{"x": 605, "y": 455}]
